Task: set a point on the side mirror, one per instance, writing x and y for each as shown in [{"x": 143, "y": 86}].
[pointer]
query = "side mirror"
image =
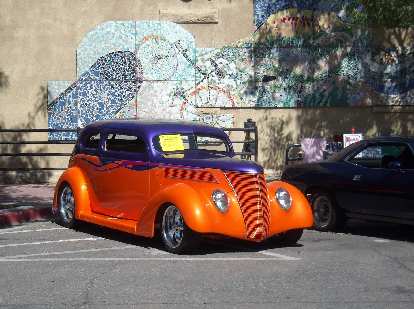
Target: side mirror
[
  {"x": 395, "y": 165},
  {"x": 295, "y": 153}
]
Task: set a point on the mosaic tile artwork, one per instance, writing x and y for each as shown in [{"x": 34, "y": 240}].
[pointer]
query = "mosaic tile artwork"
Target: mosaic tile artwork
[
  {"x": 303, "y": 54},
  {"x": 56, "y": 88},
  {"x": 100, "y": 93},
  {"x": 265, "y": 8},
  {"x": 152, "y": 76},
  {"x": 166, "y": 51},
  {"x": 316, "y": 58},
  {"x": 106, "y": 38},
  {"x": 223, "y": 77},
  {"x": 175, "y": 100}
]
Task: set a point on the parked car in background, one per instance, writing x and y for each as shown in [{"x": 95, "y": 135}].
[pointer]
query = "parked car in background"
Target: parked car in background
[
  {"x": 175, "y": 180},
  {"x": 372, "y": 179}
]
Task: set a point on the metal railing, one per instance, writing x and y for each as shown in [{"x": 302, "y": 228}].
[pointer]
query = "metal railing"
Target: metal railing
[{"x": 250, "y": 144}]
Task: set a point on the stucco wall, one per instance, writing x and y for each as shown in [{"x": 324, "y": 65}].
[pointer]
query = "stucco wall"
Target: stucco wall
[{"x": 280, "y": 127}]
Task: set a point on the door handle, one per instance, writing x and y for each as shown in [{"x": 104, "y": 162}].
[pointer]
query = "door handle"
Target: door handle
[{"x": 357, "y": 178}]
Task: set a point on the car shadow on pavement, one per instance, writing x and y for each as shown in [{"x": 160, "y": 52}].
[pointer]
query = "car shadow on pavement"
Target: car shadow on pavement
[
  {"x": 207, "y": 245},
  {"x": 381, "y": 230}
]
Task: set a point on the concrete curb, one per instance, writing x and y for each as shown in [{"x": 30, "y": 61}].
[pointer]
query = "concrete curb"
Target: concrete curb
[{"x": 19, "y": 215}]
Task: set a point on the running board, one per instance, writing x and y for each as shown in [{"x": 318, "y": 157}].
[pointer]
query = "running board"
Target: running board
[{"x": 124, "y": 225}]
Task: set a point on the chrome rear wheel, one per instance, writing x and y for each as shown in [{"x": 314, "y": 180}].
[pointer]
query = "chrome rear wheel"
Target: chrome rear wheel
[{"x": 66, "y": 200}]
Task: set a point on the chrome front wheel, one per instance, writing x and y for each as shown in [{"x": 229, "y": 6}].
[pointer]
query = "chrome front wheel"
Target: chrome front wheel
[
  {"x": 173, "y": 227},
  {"x": 176, "y": 236}
]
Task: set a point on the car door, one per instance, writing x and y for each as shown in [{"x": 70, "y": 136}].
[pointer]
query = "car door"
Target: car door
[
  {"x": 91, "y": 164},
  {"x": 363, "y": 181},
  {"x": 399, "y": 200},
  {"x": 374, "y": 188},
  {"x": 123, "y": 187}
]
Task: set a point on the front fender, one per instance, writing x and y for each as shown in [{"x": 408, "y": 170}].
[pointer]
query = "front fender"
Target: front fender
[
  {"x": 79, "y": 185},
  {"x": 198, "y": 211},
  {"x": 298, "y": 216}
]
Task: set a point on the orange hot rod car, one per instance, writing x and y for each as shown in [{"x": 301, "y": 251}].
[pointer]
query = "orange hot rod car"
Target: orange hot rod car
[{"x": 176, "y": 180}]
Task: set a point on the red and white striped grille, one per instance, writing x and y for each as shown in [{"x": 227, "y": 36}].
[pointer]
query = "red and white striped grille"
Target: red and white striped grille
[
  {"x": 189, "y": 174},
  {"x": 251, "y": 193}
]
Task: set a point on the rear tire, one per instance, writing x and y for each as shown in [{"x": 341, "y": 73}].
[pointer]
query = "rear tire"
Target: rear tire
[
  {"x": 66, "y": 207},
  {"x": 327, "y": 216},
  {"x": 289, "y": 237},
  {"x": 176, "y": 236}
]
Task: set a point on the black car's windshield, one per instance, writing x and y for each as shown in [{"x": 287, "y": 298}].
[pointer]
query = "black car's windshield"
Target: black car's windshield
[
  {"x": 191, "y": 144},
  {"x": 344, "y": 152}
]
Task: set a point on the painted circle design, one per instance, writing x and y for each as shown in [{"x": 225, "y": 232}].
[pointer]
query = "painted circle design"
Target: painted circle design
[{"x": 159, "y": 58}]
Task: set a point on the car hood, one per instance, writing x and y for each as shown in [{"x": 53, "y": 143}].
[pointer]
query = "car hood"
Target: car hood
[
  {"x": 298, "y": 170},
  {"x": 223, "y": 163}
]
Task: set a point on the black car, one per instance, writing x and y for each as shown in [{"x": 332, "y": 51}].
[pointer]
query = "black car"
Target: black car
[{"x": 372, "y": 179}]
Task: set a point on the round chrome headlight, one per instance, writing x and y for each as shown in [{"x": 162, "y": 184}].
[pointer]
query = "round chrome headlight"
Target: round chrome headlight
[
  {"x": 284, "y": 199},
  {"x": 220, "y": 200}
]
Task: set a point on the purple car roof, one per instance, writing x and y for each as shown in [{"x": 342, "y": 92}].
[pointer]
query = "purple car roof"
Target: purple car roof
[
  {"x": 151, "y": 128},
  {"x": 148, "y": 129}
]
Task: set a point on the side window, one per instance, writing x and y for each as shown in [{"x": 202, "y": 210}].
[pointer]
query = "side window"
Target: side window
[
  {"x": 406, "y": 158},
  {"x": 125, "y": 143},
  {"x": 92, "y": 141},
  {"x": 211, "y": 144},
  {"x": 369, "y": 157},
  {"x": 380, "y": 155}
]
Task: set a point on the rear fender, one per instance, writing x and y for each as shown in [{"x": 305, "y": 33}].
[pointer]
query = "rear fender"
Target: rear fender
[{"x": 79, "y": 184}]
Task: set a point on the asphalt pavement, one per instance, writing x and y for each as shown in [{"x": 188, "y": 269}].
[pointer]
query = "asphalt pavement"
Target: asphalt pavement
[{"x": 43, "y": 265}]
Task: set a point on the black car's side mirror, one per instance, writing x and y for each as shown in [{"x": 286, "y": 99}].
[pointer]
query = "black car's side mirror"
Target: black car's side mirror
[
  {"x": 294, "y": 153},
  {"x": 395, "y": 165}
]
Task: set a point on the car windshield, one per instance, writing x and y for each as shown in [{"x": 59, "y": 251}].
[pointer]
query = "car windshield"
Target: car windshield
[
  {"x": 344, "y": 152},
  {"x": 184, "y": 144}
]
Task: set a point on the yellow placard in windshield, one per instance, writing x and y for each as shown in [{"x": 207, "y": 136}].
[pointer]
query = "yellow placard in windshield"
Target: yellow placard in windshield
[{"x": 171, "y": 142}]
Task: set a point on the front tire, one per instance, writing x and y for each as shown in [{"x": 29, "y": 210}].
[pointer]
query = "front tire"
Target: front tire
[
  {"x": 326, "y": 214},
  {"x": 176, "y": 236},
  {"x": 66, "y": 207}
]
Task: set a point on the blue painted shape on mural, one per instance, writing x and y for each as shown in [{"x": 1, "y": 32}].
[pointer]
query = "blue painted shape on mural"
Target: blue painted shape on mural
[
  {"x": 264, "y": 8},
  {"x": 100, "y": 93}
]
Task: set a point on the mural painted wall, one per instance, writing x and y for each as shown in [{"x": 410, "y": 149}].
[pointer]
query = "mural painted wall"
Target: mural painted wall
[{"x": 303, "y": 53}]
